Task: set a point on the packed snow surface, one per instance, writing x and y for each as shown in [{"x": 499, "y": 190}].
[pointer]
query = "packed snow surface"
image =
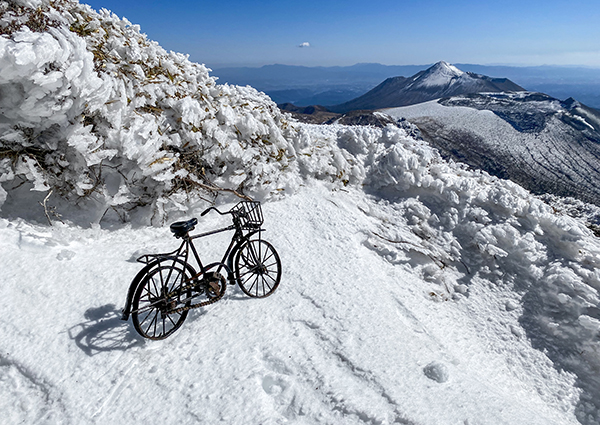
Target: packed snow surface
[
  {"x": 414, "y": 290},
  {"x": 354, "y": 334}
]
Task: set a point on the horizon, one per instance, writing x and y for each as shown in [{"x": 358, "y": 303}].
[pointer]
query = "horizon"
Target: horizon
[
  {"x": 234, "y": 33},
  {"x": 426, "y": 65}
]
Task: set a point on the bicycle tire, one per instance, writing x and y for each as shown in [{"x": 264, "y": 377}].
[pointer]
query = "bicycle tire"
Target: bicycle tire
[
  {"x": 257, "y": 268},
  {"x": 151, "y": 303}
]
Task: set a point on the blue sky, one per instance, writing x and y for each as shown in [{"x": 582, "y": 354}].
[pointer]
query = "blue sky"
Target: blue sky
[{"x": 234, "y": 33}]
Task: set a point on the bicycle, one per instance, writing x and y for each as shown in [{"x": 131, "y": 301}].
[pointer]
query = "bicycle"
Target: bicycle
[{"x": 162, "y": 293}]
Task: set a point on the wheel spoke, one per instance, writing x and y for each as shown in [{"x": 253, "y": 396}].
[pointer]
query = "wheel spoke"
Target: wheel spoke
[
  {"x": 248, "y": 277},
  {"x": 151, "y": 304},
  {"x": 267, "y": 283},
  {"x": 251, "y": 286},
  {"x": 146, "y": 318},
  {"x": 256, "y": 282},
  {"x": 262, "y": 282},
  {"x": 246, "y": 273},
  {"x": 247, "y": 261},
  {"x": 270, "y": 277},
  {"x": 257, "y": 268},
  {"x": 152, "y": 323},
  {"x": 156, "y": 290},
  {"x": 271, "y": 255}
]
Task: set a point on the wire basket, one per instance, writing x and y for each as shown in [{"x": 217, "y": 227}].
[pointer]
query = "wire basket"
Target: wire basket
[{"x": 249, "y": 214}]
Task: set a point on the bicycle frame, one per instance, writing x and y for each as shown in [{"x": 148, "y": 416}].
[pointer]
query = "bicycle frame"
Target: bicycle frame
[
  {"x": 237, "y": 241},
  {"x": 182, "y": 254}
]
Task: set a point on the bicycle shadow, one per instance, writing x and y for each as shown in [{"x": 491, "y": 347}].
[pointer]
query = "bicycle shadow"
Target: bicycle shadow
[{"x": 104, "y": 331}]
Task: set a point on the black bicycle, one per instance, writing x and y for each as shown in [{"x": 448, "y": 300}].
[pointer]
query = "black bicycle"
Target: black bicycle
[{"x": 162, "y": 293}]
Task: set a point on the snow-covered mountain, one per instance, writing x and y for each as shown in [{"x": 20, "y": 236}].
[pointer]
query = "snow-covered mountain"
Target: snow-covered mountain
[
  {"x": 304, "y": 86},
  {"x": 414, "y": 290},
  {"x": 440, "y": 80},
  {"x": 542, "y": 143}
]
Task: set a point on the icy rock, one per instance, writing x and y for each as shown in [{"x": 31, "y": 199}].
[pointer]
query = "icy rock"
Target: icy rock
[
  {"x": 2, "y": 196},
  {"x": 437, "y": 372},
  {"x": 511, "y": 305}
]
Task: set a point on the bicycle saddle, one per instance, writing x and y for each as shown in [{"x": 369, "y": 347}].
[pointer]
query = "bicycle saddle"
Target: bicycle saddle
[{"x": 180, "y": 228}]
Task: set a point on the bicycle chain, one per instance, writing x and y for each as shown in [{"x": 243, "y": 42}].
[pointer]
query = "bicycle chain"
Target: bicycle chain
[{"x": 193, "y": 306}]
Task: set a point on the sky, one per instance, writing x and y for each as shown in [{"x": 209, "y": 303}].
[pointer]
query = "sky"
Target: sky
[{"x": 333, "y": 32}]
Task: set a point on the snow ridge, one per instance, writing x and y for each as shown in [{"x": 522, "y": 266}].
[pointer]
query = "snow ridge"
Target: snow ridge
[{"x": 546, "y": 145}]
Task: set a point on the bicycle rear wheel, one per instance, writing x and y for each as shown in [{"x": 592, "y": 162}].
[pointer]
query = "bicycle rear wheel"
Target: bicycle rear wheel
[
  {"x": 257, "y": 268},
  {"x": 157, "y": 297}
]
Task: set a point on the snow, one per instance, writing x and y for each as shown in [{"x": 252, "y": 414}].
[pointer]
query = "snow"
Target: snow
[
  {"x": 360, "y": 341},
  {"x": 538, "y": 143},
  {"x": 414, "y": 290},
  {"x": 94, "y": 95},
  {"x": 441, "y": 74}
]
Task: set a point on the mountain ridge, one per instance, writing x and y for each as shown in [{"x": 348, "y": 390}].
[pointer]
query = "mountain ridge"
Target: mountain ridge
[
  {"x": 349, "y": 82},
  {"x": 440, "y": 80},
  {"x": 544, "y": 144}
]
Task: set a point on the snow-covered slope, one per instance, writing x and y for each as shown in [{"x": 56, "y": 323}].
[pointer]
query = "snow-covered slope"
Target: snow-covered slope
[
  {"x": 414, "y": 290},
  {"x": 368, "y": 326},
  {"x": 546, "y": 145},
  {"x": 441, "y": 295},
  {"x": 440, "y": 80},
  {"x": 441, "y": 74}
]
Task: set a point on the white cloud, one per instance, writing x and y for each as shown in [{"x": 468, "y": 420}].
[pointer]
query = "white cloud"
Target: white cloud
[{"x": 305, "y": 44}]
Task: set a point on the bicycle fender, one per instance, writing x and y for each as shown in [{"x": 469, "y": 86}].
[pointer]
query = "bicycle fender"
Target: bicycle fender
[
  {"x": 236, "y": 248},
  {"x": 138, "y": 278}
]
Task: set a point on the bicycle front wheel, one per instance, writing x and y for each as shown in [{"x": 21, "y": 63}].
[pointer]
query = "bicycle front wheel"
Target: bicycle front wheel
[
  {"x": 257, "y": 268},
  {"x": 160, "y": 293}
]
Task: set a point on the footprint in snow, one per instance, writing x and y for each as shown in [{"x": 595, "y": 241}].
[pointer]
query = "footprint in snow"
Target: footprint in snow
[
  {"x": 437, "y": 372},
  {"x": 273, "y": 386}
]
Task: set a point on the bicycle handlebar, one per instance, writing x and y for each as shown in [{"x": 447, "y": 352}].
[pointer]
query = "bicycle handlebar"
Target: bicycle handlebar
[
  {"x": 213, "y": 208},
  {"x": 245, "y": 214},
  {"x": 232, "y": 212}
]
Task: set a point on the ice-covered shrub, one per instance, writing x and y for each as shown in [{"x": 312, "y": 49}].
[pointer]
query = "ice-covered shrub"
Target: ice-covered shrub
[{"x": 100, "y": 115}]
